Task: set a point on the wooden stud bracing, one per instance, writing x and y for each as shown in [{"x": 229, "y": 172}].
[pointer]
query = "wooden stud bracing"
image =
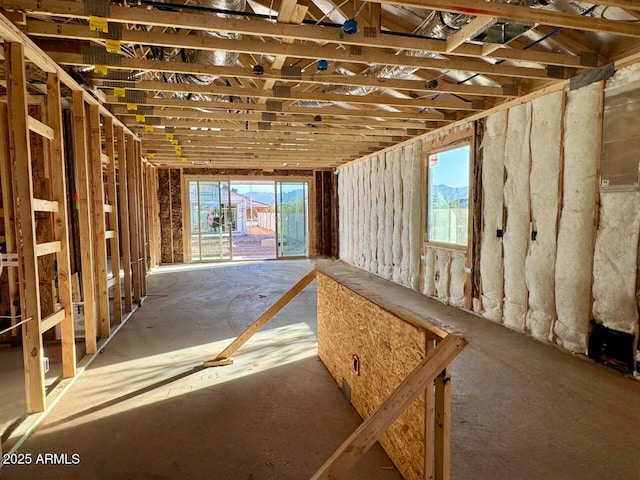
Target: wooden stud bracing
[
  {"x": 20, "y": 125},
  {"x": 123, "y": 204},
  {"x": 25, "y": 226},
  {"x": 85, "y": 220},
  {"x": 134, "y": 230},
  {"x": 360, "y": 441},
  {"x": 8, "y": 214},
  {"x": 114, "y": 241},
  {"x": 98, "y": 219},
  {"x": 262, "y": 320},
  {"x": 61, "y": 225}
]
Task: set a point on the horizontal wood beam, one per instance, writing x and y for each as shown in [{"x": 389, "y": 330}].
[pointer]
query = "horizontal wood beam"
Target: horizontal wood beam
[
  {"x": 420, "y": 102},
  {"x": 525, "y": 14},
  {"x": 398, "y": 103},
  {"x": 468, "y": 31},
  {"x": 47, "y": 248},
  {"x": 418, "y": 63},
  {"x": 253, "y": 119},
  {"x": 8, "y": 31},
  {"x": 40, "y": 205},
  {"x": 258, "y": 27},
  {"x": 50, "y": 321},
  {"x": 266, "y": 136},
  {"x": 231, "y": 127},
  {"x": 253, "y": 111},
  {"x": 40, "y": 128},
  {"x": 282, "y": 50}
]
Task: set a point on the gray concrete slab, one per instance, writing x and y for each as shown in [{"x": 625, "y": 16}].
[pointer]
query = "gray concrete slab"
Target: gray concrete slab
[{"x": 145, "y": 409}]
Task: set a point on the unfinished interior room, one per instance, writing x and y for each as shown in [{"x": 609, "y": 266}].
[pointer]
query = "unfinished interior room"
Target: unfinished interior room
[{"x": 320, "y": 239}]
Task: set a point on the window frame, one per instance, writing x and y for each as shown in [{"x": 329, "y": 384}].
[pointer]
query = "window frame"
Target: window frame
[{"x": 454, "y": 141}]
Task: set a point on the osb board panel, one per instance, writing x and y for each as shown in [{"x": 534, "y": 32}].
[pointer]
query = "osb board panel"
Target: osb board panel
[
  {"x": 44, "y": 226},
  {"x": 164, "y": 201},
  {"x": 176, "y": 212},
  {"x": 388, "y": 349}
]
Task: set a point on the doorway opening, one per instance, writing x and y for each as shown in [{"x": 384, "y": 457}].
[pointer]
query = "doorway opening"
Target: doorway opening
[{"x": 247, "y": 219}]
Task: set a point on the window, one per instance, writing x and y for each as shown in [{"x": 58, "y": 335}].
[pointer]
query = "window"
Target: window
[{"x": 448, "y": 195}]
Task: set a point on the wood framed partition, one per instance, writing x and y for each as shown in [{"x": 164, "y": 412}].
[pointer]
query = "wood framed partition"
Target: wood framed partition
[
  {"x": 25, "y": 206},
  {"x": 402, "y": 385},
  {"x": 103, "y": 207}
]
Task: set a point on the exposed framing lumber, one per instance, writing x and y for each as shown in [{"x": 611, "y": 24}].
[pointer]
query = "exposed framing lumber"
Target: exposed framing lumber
[
  {"x": 52, "y": 320},
  {"x": 371, "y": 429},
  {"x": 9, "y": 32},
  {"x": 8, "y": 213},
  {"x": 513, "y": 12},
  {"x": 40, "y": 205},
  {"x": 123, "y": 204},
  {"x": 193, "y": 21},
  {"x": 134, "y": 230},
  {"x": 383, "y": 59},
  {"x": 468, "y": 31},
  {"x": 21, "y": 173},
  {"x": 47, "y": 248},
  {"x": 99, "y": 227},
  {"x": 252, "y": 111},
  {"x": 112, "y": 233},
  {"x": 142, "y": 220},
  {"x": 85, "y": 220},
  {"x": 442, "y": 439},
  {"x": 225, "y": 355},
  {"x": 40, "y": 128}
]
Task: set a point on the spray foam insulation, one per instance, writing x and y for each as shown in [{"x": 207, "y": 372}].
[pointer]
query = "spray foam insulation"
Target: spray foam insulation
[
  {"x": 415, "y": 223},
  {"x": 493, "y": 202},
  {"x": 545, "y": 140},
  {"x": 441, "y": 274},
  {"x": 381, "y": 215},
  {"x": 516, "y": 204},
  {"x": 373, "y": 217},
  {"x": 388, "y": 350},
  {"x": 575, "y": 234},
  {"x": 389, "y": 217},
  {"x": 457, "y": 278},
  {"x": 614, "y": 265},
  {"x": 396, "y": 243},
  {"x": 407, "y": 160},
  {"x": 428, "y": 281}
]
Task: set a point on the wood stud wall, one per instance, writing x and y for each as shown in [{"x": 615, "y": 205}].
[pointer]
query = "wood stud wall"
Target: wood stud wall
[{"x": 116, "y": 217}]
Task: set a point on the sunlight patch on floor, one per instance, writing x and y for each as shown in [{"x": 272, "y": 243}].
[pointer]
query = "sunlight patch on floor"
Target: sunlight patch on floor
[{"x": 141, "y": 382}]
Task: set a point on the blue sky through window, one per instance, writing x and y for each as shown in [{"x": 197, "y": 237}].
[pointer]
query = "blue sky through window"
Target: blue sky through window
[{"x": 452, "y": 169}]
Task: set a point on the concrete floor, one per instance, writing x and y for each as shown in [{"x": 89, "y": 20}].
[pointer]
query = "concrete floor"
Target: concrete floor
[{"x": 144, "y": 410}]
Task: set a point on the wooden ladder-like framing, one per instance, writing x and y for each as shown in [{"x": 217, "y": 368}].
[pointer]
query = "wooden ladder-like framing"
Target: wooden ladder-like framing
[{"x": 25, "y": 206}]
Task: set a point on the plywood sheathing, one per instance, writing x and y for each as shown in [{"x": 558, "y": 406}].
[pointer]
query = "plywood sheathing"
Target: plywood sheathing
[
  {"x": 176, "y": 216},
  {"x": 546, "y": 152},
  {"x": 576, "y": 227},
  {"x": 44, "y": 228},
  {"x": 388, "y": 349}
]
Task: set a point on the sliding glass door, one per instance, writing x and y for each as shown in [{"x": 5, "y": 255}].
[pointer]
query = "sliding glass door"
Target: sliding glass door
[
  {"x": 292, "y": 219},
  {"x": 211, "y": 220}
]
